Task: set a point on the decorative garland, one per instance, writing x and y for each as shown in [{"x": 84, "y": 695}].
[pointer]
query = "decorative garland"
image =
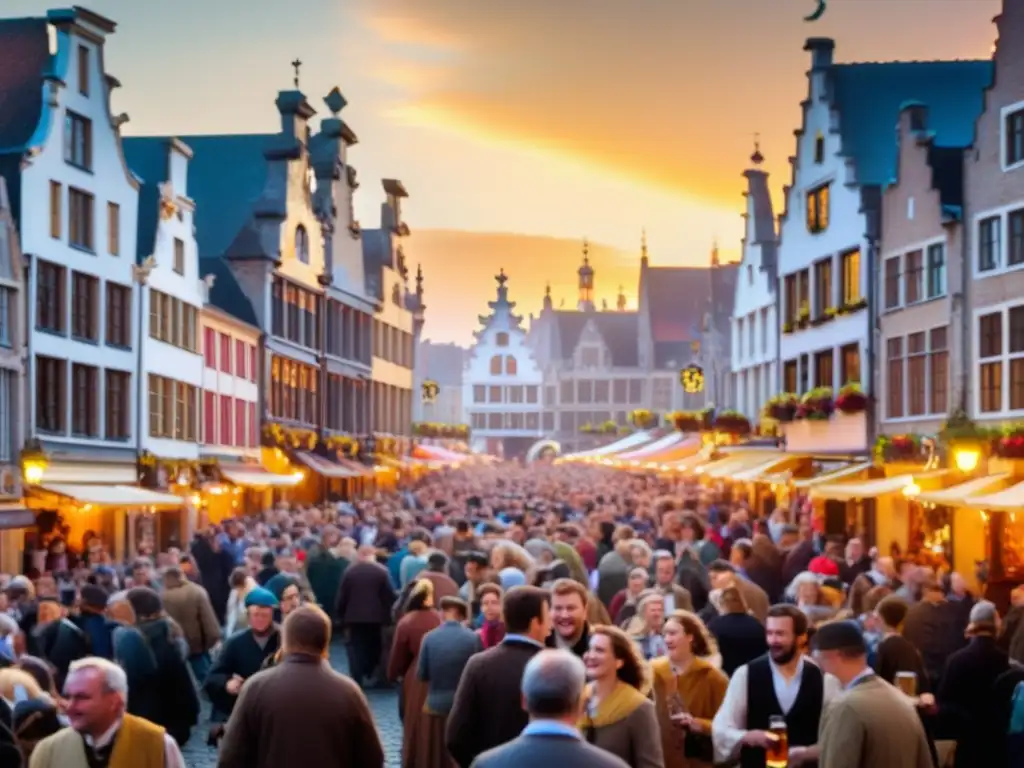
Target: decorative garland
[
  {"x": 296, "y": 438},
  {"x": 732, "y": 423},
  {"x": 443, "y": 431}
]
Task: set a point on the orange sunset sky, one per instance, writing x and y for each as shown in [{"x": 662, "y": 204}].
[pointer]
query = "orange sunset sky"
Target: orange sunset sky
[{"x": 521, "y": 126}]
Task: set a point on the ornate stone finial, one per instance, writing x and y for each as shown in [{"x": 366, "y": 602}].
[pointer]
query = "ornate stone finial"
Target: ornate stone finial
[
  {"x": 586, "y": 251},
  {"x": 547, "y": 289},
  {"x": 419, "y": 279},
  {"x": 714, "y": 254},
  {"x": 643, "y": 243},
  {"x": 297, "y": 65},
  {"x": 501, "y": 277},
  {"x": 757, "y": 158}
]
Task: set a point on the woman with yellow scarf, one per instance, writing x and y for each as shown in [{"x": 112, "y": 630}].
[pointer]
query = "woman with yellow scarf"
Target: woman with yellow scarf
[
  {"x": 617, "y": 716},
  {"x": 687, "y": 692}
]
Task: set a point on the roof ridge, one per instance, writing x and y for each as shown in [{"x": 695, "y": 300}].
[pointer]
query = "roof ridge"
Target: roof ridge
[{"x": 910, "y": 61}]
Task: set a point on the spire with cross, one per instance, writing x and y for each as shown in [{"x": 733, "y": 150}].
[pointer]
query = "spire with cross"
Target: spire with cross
[
  {"x": 586, "y": 281},
  {"x": 297, "y": 65}
]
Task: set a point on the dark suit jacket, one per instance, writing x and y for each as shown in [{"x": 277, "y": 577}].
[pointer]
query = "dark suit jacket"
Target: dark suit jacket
[
  {"x": 301, "y": 707},
  {"x": 538, "y": 750},
  {"x": 488, "y": 707},
  {"x": 365, "y": 595}
]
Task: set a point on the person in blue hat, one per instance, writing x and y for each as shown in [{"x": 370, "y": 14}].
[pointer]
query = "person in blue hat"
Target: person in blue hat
[{"x": 241, "y": 657}]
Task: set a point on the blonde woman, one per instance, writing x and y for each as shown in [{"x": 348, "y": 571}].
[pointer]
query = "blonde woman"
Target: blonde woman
[
  {"x": 806, "y": 591},
  {"x": 687, "y": 692},
  {"x": 618, "y": 717}
]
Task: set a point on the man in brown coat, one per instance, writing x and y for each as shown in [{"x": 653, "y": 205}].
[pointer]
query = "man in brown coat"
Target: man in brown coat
[
  {"x": 302, "y": 707},
  {"x": 189, "y": 605}
]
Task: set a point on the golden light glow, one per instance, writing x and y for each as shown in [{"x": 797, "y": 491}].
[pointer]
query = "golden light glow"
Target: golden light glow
[
  {"x": 298, "y": 476},
  {"x": 194, "y": 499},
  {"x": 911, "y": 490},
  {"x": 33, "y": 472},
  {"x": 967, "y": 459}
]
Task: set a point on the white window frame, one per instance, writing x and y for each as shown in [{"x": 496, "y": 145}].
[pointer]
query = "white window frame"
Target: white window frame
[
  {"x": 1003, "y": 309},
  {"x": 898, "y": 258},
  {"x": 1001, "y": 268},
  {"x": 1004, "y": 113},
  {"x": 901, "y": 254},
  {"x": 904, "y": 335}
]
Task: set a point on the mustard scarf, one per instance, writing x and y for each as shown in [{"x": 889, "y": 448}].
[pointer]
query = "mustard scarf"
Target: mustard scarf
[{"x": 623, "y": 701}]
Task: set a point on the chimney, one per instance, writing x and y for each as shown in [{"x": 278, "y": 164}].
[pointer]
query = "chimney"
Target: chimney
[
  {"x": 821, "y": 49},
  {"x": 915, "y": 113}
]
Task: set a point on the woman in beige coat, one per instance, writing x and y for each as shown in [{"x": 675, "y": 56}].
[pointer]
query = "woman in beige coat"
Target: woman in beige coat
[{"x": 618, "y": 717}]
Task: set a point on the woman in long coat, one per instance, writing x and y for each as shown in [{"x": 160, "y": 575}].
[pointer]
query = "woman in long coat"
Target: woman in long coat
[{"x": 419, "y": 619}]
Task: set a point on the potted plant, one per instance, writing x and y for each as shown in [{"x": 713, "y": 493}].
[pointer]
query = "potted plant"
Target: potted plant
[
  {"x": 609, "y": 428},
  {"x": 897, "y": 448},
  {"x": 587, "y": 429},
  {"x": 1011, "y": 445},
  {"x": 783, "y": 407},
  {"x": 816, "y": 405},
  {"x": 641, "y": 418},
  {"x": 732, "y": 423},
  {"x": 851, "y": 398}
]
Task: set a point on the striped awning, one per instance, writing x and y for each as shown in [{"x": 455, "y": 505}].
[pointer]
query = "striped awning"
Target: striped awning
[
  {"x": 324, "y": 466},
  {"x": 114, "y": 495},
  {"x": 255, "y": 476}
]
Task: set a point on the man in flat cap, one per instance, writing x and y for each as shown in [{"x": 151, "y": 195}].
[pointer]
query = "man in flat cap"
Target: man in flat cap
[{"x": 870, "y": 724}]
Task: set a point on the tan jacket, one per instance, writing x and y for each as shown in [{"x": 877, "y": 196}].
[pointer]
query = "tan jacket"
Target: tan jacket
[
  {"x": 189, "y": 605},
  {"x": 140, "y": 744},
  {"x": 755, "y": 598},
  {"x": 872, "y": 725}
]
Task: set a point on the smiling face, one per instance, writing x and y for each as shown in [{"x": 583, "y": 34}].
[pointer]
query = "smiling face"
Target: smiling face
[
  {"x": 676, "y": 640},
  {"x": 600, "y": 658},
  {"x": 569, "y": 613}
]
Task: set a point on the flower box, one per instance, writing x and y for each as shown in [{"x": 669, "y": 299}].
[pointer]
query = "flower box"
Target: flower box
[{"x": 732, "y": 423}]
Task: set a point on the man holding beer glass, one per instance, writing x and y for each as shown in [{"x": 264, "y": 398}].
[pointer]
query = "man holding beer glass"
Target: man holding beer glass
[
  {"x": 871, "y": 724},
  {"x": 773, "y": 706}
]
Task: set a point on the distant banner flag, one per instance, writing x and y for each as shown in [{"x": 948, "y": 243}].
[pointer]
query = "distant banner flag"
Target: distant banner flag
[
  {"x": 692, "y": 379},
  {"x": 430, "y": 390}
]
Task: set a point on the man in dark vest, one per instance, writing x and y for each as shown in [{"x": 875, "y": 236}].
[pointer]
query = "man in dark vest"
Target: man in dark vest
[{"x": 785, "y": 684}]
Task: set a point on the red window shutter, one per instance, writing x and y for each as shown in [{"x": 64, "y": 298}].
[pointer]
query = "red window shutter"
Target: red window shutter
[
  {"x": 209, "y": 418},
  {"x": 252, "y": 362},
  {"x": 210, "y": 347},
  {"x": 240, "y": 430},
  {"x": 240, "y": 358},
  {"x": 254, "y": 438},
  {"x": 225, "y": 353},
  {"x": 225, "y": 420}
]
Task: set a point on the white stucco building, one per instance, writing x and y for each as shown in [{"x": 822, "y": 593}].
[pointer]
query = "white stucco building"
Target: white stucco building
[
  {"x": 76, "y": 200},
  {"x": 171, "y": 364},
  {"x": 754, "y": 324},
  {"x": 502, "y": 382}
]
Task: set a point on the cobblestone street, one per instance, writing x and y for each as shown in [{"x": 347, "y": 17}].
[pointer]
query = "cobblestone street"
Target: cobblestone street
[{"x": 383, "y": 703}]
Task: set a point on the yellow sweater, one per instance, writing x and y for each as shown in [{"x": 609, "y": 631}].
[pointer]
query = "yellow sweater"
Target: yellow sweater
[{"x": 140, "y": 744}]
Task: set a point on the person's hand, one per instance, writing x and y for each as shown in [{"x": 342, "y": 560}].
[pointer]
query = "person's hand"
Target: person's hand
[
  {"x": 797, "y": 756},
  {"x": 689, "y": 722},
  {"x": 234, "y": 685},
  {"x": 926, "y": 701},
  {"x": 760, "y": 739}
]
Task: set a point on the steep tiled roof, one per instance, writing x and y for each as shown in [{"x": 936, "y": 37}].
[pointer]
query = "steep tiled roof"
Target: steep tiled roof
[
  {"x": 226, "y": 293},
  {"x": 24, "y": 60},
  {"x": 619, "y": 330},
  {"x": 677, "y": 299},
  {"x": 148, "y": 159},
  {"x": 226, "y": 176},
  {"x": 869, "y": 97}
]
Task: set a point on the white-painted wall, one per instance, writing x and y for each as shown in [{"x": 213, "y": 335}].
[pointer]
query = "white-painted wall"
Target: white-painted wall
[
  {"x": 478, "y": 373},
  {"x": 110, "y": 180},
  {"x": 753, "y": 351},
  {"x": 799, "y": 248},
  {"x": 158, "y": 357}
]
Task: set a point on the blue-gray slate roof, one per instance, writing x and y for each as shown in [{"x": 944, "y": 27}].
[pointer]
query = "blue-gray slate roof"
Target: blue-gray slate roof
[
  {"x": 149, "y": 159},
  {"x": 226, "y": 293},
  {"x": 869, "y": 97},
  {"x": 24, "y": 61}
]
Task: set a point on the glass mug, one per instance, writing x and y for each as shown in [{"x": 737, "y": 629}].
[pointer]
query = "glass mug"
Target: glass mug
[
  {"x": 907, "y": 682},
  {"x": 676, "y": 708},
  {"x": 777, "y": 754}
]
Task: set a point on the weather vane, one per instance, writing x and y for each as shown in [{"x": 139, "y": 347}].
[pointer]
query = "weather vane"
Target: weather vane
[
  {"x": 297, "y": 64},
  {"x": 818, "y": 12}
]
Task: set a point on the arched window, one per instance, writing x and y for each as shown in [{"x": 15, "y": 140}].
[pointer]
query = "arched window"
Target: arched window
[
  {"x": 301, "y": 244},
  {"x": 496, "y": 365},
  {"x": 501, "y": 339},
  {"x": 510, "y": 365}
]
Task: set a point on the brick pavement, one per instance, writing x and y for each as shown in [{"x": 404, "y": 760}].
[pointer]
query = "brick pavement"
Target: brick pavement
[{"x": 385, "y": 711}]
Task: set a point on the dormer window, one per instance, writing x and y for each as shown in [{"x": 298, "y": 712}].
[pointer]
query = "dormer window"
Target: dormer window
[
  {"x": 496, "y": 365},
  {"x": 750, "y": 274},
  {"x": 817, "y": 209},
  {"x": 501, "y": 339},
  {"x": 301, "y": 244},
  {"x": 819, "y": 149},
  {"x": 511, "y": 368}
]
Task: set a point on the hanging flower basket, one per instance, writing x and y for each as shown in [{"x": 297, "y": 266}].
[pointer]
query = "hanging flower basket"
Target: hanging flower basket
[
  {"x": 816, "y": 405},
  {"x": 732, "y": 423},
  {"x": 903, "y": 448},
  {"x": 782, "y": 408},
  {"x": 851, "y": 399},
  {"x": 1011, "y": 445},
  {"x": 643, "y": 419}
]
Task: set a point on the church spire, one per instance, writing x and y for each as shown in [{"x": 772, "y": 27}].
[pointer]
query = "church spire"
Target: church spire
[
  {"x": 715, "y": 261},
  {"x": 643, "y": 247},
  {"x": 547, "y": 295},
  {"x": 757, "y": 158},
  {"x": 620, "y": 303},
  {"x": 586, "y": 281}
]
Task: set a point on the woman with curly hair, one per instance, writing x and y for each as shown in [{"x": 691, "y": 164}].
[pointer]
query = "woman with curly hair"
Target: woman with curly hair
[
  {"x": 618, "y": 717},
  {"x": 419, "y": 619},
  {"x": 688, "y": 691}
]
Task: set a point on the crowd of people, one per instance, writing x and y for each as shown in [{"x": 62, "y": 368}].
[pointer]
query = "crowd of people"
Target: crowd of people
[{"x": 573, "y": 615}]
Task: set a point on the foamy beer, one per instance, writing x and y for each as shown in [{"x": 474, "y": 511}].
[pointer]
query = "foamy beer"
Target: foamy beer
[
  {"x": 777, "y": 754},
  {"x": 907, "y": 682}
]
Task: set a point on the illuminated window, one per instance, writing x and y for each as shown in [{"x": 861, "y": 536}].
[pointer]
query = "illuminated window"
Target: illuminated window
[{"x": 817, "y": 209}]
